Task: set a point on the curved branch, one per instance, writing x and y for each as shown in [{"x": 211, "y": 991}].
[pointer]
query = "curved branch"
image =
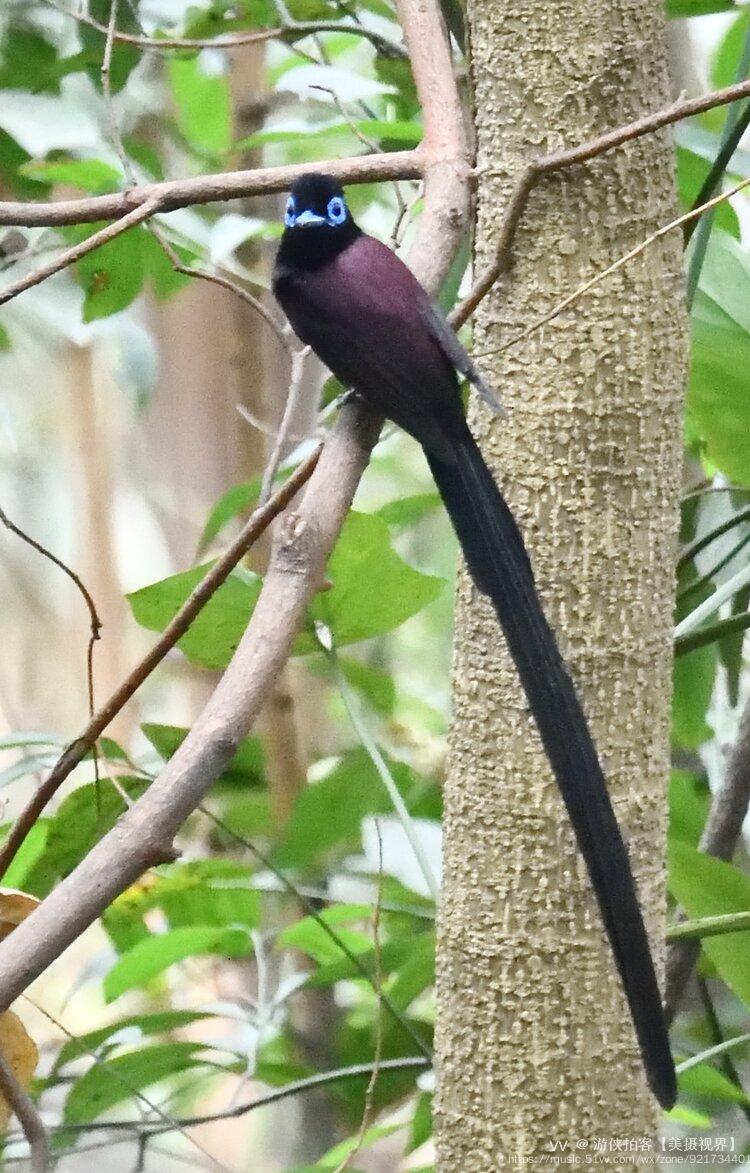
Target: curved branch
[
  {"x": 207, "y": 189},
  {"x": 304, "y": 542},
  {"x": 196, "y": 600},
  {"x": 294, "y": 30}
]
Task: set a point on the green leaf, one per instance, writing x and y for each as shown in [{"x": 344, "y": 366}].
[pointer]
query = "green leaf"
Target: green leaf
[
  {"x": 247, "y": 767},
  {"x": 421, "y": 1123},
  {"x": 204, "y": 109},
  {"x": 730, "y": 646},
  {"x": 82, "y": 819},
  {"x": 333, "y": 1158},
  {"x": 113, "y": 1080},
  {"x": 689, "y": 802},
  {"x": 310, "y": 937},
  {"x": 30, "y": 869},
  {"x": 706, "y": 1082},
  {"x": 693, "y": 675},
  {"x": 692, "y": 171},
  {"x": 682, "y": 8},
  {"x": 393, "y": 955},
  {"x": 88, "y": 174},
  {"x": 12, "y": 158},
  {"x": 377, "y": 687},
  {"x": 238, "y": 499},
  {"x": 417, "y": 972},
  {"x": 215, "y": 633},
  {"x": 124, "y": 57},
  {"x": 719, "y": 389},
  {"x": 729, "y": 55},
  {"x": 203, "y": 892},
  {"x": 705, "y": 886},
  {"x": 4, "y": 339},
  {"x": 374, "y": 590},
  {"x": 158, "y": 952},
  {"x": 140, "y": 1024},
  {"x": 226, "y": 16},
  {"x": 407, "y": 511},
  {"x": 207, "y": 892},
  {"x": 165, "y": 279},
  {"x": 112, "y": 275},
  {"x": 328, "y": 814},
  {"x": 27, "y": 61}
]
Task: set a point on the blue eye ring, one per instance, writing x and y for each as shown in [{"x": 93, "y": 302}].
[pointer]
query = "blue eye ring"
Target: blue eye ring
[
  {"x": 290, "y": 213},
  {"x": 336, "y": 210}
]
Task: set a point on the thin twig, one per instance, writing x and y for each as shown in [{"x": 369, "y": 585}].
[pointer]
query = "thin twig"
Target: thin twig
[
  {"x": 113, "y": 130},
  {"x": 204, "y": 189},
  {"x": 704, "y": 225},
  {"x": 225, "y": 283},
  {"x": 302, "y": 543},
  {"x": 368, "y": 142},
  {"x": 712, "y": 1053},
  {"x": 291, "y": 31},
  {"x": 385, "y": 776},
  {"x": 689, "y": 551},
  {"x": 712, "y": 604},
  {"x": 726, "y": 1061},
  {"x": 320, "y": 1079},
  {"x": 720, "y": 164},
  {"x": 698, "y": 583},
  {"x": 94, "y": 620},
  {"x": 378, "y": 1053},
  {"x": 721, "y": 833},
  {"x": 140, "y": 1097},
  {"x": 709, "y": 635},
  {"x": 314, "y": 913},
  {"x": 70, "y": 255},
  {"x": 693, "y": 214},
  {"x": 290, "y": 410},
  {"x": 28, "y": 1117},
  {"x": 256, "y": 524},
  {"x": 545, "y": 165}
]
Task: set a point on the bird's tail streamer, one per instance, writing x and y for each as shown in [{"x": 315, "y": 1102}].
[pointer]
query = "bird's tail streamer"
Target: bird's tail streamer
[{"x": 497, "y": 558}]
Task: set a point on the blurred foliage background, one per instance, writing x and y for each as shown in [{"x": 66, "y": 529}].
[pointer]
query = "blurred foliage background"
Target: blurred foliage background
[{"x": 138, "y": 408}]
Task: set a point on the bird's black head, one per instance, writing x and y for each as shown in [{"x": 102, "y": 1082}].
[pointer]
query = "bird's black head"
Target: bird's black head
[{"x": 317, "y": 223}]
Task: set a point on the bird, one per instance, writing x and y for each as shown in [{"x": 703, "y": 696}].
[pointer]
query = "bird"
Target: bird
[{"x": 350, "y": 299}]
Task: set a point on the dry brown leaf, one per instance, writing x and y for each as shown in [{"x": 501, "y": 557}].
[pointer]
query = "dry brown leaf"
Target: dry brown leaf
[
  {"x": 20, "y": 1051},
  {"x": 15, "y": 906}
]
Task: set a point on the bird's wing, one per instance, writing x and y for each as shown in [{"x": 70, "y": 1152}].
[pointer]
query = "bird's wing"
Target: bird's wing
[
  {"x": 361, "y": 315},
  {"x": 451, "y": 346}
]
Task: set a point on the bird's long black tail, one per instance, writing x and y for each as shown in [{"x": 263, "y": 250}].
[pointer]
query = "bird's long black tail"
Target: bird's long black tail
[{"x": 500, "y": 567}]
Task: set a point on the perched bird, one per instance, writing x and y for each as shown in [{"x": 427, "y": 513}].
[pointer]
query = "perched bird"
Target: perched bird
[{"x": 370, "y": 321}]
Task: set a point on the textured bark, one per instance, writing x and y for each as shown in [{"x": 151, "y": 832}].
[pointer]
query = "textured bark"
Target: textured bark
[{"x": 535, "y": 1043}]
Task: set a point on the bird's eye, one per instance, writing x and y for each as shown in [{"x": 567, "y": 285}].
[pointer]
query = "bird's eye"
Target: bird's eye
[
  {"x": 336, "y": 210},
  {"x": 289, "y": 214}
]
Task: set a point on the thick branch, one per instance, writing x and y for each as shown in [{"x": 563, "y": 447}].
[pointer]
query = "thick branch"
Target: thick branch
[
  {"x": 206, "y": 189},
  {"x": 28, "y": 1118},
  {"x": 561, "y": 160},
  {"x": 301, "y": 550}
]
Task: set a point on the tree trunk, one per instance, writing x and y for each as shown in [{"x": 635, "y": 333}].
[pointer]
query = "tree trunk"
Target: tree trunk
[{"x": 535, "y": 1043}]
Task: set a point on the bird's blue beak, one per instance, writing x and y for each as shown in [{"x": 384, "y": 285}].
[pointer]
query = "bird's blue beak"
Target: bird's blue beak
[{"x": 308, "y": 217}]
